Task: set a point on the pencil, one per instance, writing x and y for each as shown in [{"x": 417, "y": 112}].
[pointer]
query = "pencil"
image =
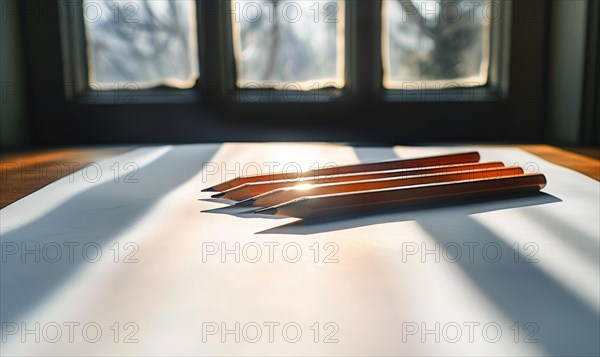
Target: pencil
[
  {"x": 363, "y": 201},
  {"x": 253, "y": 189},
  {"x": 282, "y": 195},
  {"x": 462, "y": 158}
]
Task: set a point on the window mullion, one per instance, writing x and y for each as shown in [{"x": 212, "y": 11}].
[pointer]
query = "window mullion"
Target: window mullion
[
  {"x": 366, "y": 49},
  {"x": 211, "y": 19},
  {"x": 74, "y": 49}
]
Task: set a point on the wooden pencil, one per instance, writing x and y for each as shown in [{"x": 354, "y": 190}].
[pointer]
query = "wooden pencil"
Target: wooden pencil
[
  {"x": 364, "y": 201},
  {"x": 253, "y": 189},
  {"x": 282, "y": 195},
  {"x": 469, "y": 157}
]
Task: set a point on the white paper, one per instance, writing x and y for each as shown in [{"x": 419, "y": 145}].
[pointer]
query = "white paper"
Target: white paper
[{"x": 362, "y": 284}]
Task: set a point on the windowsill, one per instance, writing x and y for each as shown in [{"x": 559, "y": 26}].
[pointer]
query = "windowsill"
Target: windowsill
[{"x": 136, "y": 97}]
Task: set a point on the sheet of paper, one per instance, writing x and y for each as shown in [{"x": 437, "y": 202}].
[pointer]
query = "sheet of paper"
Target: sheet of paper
[{"x": 129, "y": 257}]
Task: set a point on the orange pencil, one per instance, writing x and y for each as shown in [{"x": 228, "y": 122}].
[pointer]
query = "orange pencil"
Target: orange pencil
[
  {"x": 364, "y": 201},
  {"x": 441, "y": 160}
]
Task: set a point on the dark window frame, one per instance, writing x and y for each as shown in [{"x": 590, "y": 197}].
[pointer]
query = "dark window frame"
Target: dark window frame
[{"x": 215, "y": 111}]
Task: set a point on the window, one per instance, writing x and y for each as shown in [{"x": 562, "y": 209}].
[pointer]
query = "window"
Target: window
[
  {"x": 141, "y": 44},
  {"x": 433, "y": 44},
  {"x": 289, "y": 44},
  {"x": 390, "y": 71}
]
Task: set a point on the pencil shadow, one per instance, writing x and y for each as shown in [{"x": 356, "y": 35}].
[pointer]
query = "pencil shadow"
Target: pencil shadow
[
  {"x": 241, "y": 212},
  {"x": 238, "y": 211},
  {"x": 232, "y": 210},
  {"x": 337, "y": 223},
  {"x": 25, "y": 283},
  {"x": 216, "y": 200}
]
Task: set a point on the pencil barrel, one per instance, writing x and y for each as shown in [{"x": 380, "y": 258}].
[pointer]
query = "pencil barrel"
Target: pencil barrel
[
  {"x": 283, "y": 195},
  {"x": 253, "y": 189},
  {"x": 461, "y": 158},
  {"x": 322, "y": 206}
]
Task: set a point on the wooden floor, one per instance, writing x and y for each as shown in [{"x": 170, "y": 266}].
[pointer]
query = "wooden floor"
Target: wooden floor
[{"x": 24, "y": 173}]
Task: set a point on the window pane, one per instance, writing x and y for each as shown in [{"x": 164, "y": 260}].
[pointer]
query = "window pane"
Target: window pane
[
  {"x": 141, "y": 43},
  {"x": 288, "y": 44},
  {"x": 436, "y": 44}
]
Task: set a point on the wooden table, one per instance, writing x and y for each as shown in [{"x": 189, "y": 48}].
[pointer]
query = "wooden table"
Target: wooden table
[{"x": 24, "y": 173}]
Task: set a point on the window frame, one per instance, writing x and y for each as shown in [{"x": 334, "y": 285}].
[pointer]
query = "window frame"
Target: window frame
[{"x": 215, "y": 110}]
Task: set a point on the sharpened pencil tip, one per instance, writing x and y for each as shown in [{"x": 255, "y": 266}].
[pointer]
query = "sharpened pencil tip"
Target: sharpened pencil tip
[
  {"x": 209, "y": 189},
  {"x": 245, "y": 203},
  {"x": 217, "y": 195},
  {"x": 271, "y": 211}
]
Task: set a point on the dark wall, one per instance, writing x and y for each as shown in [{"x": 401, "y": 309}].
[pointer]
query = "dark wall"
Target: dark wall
[{"x": 13, "y": 110}]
